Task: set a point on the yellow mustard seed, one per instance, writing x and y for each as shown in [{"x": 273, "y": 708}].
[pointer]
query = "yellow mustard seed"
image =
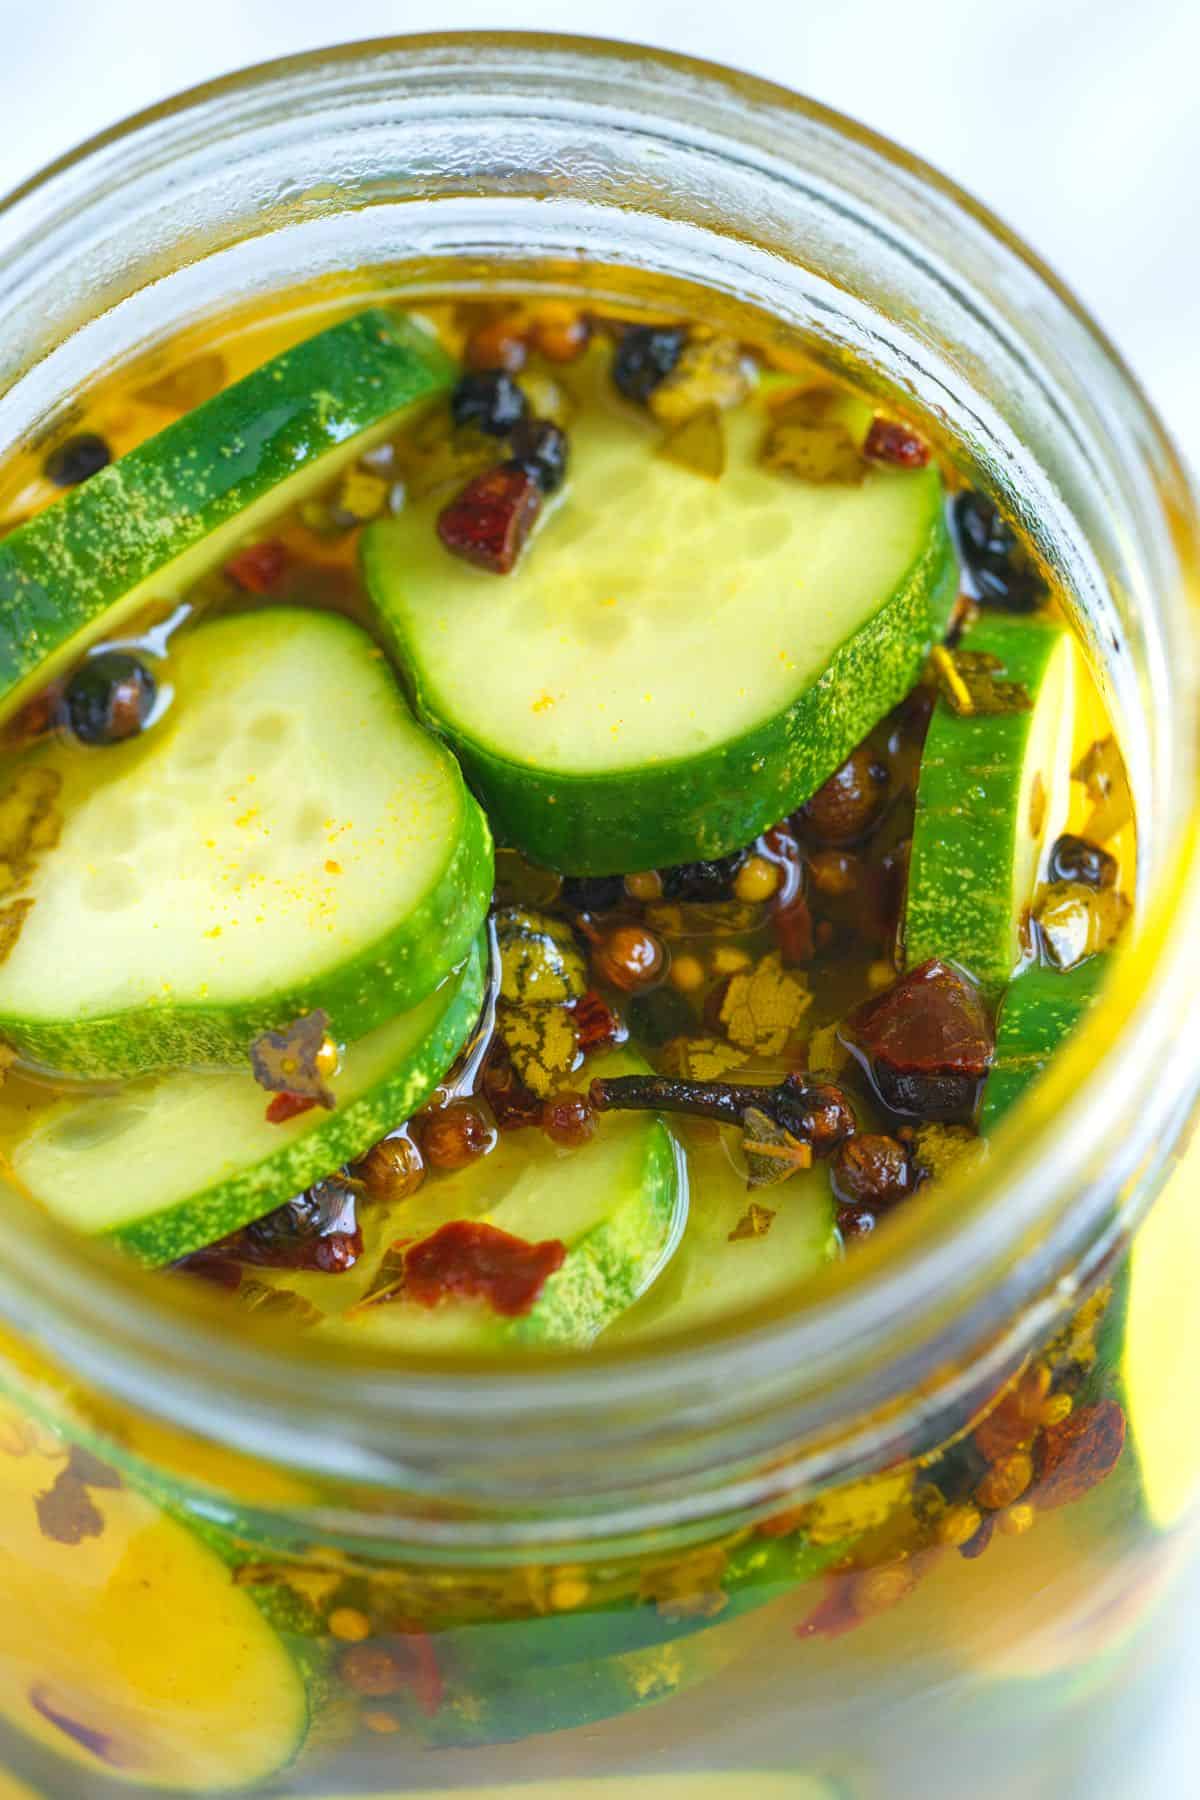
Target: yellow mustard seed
[
  {"x": 687, "y": 974},
  {"x": 1017, "y": 1520},
  {"x": 380, "y": 1722},
  {"x": 568, "y": 1592},
  {"x": 757, "y": 879},
  {"x": 647, "y": 885},
  {"x": 958, "y": 1526},
  {"x": 880, "y": 975},
  {"x": 1055, "y": 1410},
  {"x": 730, "y": 959},
  {"x": 350, "y": 1625},
  {"x": 1005, "y": 1481},
  {"x": 327, "y": 1058}
]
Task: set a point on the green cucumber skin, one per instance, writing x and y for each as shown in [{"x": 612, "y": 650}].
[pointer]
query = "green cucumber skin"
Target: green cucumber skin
[
  {"x": 334, "y": 1139},
  {"x": 609, "y": 1268},
  {"x": 63, "y": 571},
  {"x": 960, "y": 885},
  {"x": 1041, "y": 1008},
  {"x": 704, "y": 806},
  {"x": 386, "y": 978}
]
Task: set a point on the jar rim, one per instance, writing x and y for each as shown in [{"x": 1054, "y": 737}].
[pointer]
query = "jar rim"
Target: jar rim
[{"x": 1032, "y": 1220}]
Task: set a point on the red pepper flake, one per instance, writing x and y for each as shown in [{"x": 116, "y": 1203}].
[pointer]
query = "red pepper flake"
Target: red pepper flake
[
  {"x": 488, "y": 523},
  {"x": 598, "y": 1025},
  {"x": 926, "y": 1042},
  {"x": 285, "y": 1106},
  {"x": 793, "y": 929},
  {"x": 259, "y": 567},
  {"x": 1076, "y": 1455},
  {"x": 791, "y": 919},
  {"x": 424, "y": 1675},
  {"x": 513, "y": 1105},
  {"x": 888, "y": 441},
  {"x": 468, "y": 1259}
]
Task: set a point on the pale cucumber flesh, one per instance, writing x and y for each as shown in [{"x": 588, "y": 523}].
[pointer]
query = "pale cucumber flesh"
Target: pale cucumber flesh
[
  {"x": 173, "y": 1163},
  {"x": 285, "y": 837}
]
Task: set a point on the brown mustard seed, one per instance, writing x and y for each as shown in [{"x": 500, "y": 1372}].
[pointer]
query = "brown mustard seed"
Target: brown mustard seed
[
  {"x": 871, "y": 1171},
  {"x": 371, "y": 1670},
  {"x": 568, "y": 1120},
  {"x": 834, "y": 874},
  {"x": 645, "y": 885},
  {"x": 1005, "y": 1481},
  {"x": 629, "y": 958},
  {"x": 500, "y": 344},
  {"x": 455, "y": 1136},
  {"x": 393, "y": 1169},
  {"x": 350, "y": 1625},
  {"x": 848, "y": 804}
]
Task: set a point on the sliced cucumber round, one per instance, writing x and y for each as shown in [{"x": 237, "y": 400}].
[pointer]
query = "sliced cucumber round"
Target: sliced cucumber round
[
  {"x": 171, "y": 1164},
  {"x": 618, "y": 1204},
  {"x": 147, "y": 526},
  {"x": 993, "y": 793},
  {"x": 125, "y": 1647},
  {"x": 675, "y": 664},
  {"x": 286, "y": 837}
]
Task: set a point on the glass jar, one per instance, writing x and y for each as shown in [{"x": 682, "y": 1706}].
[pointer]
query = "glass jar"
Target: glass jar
[{"x": 924, "y": 1534}]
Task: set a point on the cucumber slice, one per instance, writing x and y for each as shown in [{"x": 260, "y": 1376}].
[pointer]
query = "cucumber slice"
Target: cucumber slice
[
  {"x": 1040, "y": 1009},
  {"x": 618, "y": 1204},
  {"x": 169, "y": 1165},
  {"x": 146, "y": 527},
  {"x": 285, "y": 838},
  {"x": 710, "y": 1276},
  {"x": 675, "y": 664},
  {"x": 125, "y": 1647},
  {"x": 993, "y": 791}
]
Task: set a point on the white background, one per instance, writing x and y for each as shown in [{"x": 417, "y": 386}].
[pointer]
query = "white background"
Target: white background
[{"x": 1078, "y": 121}]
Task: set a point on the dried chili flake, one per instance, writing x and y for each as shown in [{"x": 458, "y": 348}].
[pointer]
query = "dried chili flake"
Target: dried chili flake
[
  {"x": 792, "y": 926},
  {"x": 488, "y": 523},
  {"x": 772, "y": 1153},
  {"x": 834, "y": 1614},
  {"x": 755, "y": 1222},
  {"x": 598, "y": 1025},
  {"x": 66, "y": 1511},
  {"x": 1077, "y": 1454},
  {"x": 469, "y": 1259},
  {"x": 890, "y": 442},
  {"x": 927, "y": 1043},
  {"x": 285, "y": 1106},
  {"x": 292, "y": 1061},
  {"x": 762, "y": 1008},
  {"x": 259, "y": 567}
]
